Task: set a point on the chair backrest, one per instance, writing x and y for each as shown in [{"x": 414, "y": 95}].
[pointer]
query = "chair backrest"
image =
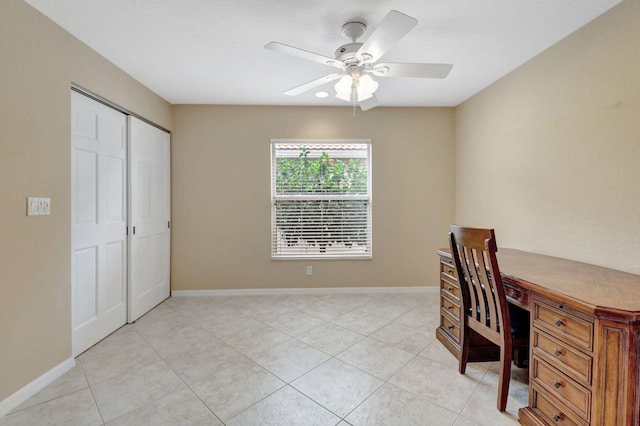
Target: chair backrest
[{"x": 474, "y": 253}]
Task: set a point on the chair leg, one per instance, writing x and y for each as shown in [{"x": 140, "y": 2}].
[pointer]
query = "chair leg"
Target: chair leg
[
  {"x": 464, "y": 352},
  {"x": 505, "y": 377}
]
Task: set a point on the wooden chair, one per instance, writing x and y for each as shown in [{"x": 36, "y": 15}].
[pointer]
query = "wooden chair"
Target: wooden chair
[{"x": 484, "y": 305}]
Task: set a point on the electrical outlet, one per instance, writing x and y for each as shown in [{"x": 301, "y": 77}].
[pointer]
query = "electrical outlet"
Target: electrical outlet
[
  {"x": 309, "y": 270},
  {"x": 38, "y": 206}
]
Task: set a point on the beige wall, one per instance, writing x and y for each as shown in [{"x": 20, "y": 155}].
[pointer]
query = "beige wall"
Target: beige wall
[
  {"x": 550, "y": 154},
  {"x": 39, "y": 63},
  {"x": 221, "y": 195}
]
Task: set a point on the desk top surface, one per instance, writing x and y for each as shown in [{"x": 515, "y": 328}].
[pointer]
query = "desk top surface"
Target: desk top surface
[{"x": 591, "y": 286}]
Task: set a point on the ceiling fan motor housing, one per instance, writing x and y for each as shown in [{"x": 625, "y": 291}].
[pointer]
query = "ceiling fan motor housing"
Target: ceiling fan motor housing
[{"x": 347, "y": 53}]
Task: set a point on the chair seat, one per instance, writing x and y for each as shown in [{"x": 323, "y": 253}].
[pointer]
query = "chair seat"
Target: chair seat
[{"x": 519, "y": 322}]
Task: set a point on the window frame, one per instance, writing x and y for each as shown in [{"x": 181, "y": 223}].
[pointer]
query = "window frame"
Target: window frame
[{"x": 368, "y": 197}]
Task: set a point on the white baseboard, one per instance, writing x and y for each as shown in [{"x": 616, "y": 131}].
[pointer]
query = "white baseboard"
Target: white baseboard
[
  {"x": 13, "y": 401},
  {"x": 302, "y": 291}
]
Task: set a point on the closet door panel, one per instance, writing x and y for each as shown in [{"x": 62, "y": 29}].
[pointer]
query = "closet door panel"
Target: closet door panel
[
  {"x": 149, "y": 201},
  {"x": 98, "y": 221}
]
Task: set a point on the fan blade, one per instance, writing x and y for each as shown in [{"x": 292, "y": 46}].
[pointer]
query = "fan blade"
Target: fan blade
[
  {"x": 397, "y": 69},
  {"x": 312, "y": 84},
  {"x": 369, "y": 103},
  {"x": 393, "y": 27},
  {"x": 304, "y": 54}
]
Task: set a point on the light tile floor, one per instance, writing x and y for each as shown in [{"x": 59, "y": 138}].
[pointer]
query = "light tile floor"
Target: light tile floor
[{"x": 330, "y": 359}]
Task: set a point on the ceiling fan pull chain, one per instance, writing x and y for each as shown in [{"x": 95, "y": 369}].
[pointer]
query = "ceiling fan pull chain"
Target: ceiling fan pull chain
[{"x": 354, "y": 94}]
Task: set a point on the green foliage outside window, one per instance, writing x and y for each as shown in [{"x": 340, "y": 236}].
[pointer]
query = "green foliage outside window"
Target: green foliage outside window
[{"x": 331, "y": 217}]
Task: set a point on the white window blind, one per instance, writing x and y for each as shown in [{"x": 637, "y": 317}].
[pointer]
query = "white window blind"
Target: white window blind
[{"x": 321, "y": 199}]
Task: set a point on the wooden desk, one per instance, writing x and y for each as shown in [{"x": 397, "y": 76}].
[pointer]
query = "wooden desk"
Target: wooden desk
[{"x": 585, "y": 336}]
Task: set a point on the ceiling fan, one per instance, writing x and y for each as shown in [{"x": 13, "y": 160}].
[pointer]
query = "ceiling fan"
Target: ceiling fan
[{"x": 358, "y": 61}]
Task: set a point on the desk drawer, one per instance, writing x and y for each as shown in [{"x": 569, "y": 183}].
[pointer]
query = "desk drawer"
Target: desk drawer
[
  {"x": 571, "y": 361},
  {"x": 565, "y": 389},
  {"x": 515, "y": 295},
  {"x": 552, "y": 410},
  {"x": 450, "y": 326},
  {"x": 448, "y": 259},
  {"x": 448, "y": 268},
  {"x": 450, "y": 288},
  {"x": 450, "y": 305},
  {"x": 563, "y": 323}
]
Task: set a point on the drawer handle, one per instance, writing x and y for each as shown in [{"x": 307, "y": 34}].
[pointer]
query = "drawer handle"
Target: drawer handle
[
  {"x": 556, "y": 417},
  {"x": 450, "y": 289},
  {"x": 449, "y": 307},
  {"x": 557, "y": 384},
  {"x": 557, "y": 352},
  {"x": 515, "y": 295},
  {"x": 449, "y": 271},
  {"x": 450, "y": 327},
  {"x": 559, "y": 322}
]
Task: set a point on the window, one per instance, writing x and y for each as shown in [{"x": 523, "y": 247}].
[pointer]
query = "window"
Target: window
[{"x": 321, "y": 199}]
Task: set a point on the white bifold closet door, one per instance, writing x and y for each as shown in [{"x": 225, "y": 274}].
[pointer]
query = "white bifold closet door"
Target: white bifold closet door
[
  {"x": 149, "y": 217},
  {"x": 98, "y": 221},
  {"x": 119, "y": 180}
]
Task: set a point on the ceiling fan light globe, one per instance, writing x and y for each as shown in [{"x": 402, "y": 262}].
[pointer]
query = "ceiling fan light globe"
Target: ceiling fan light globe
[
  {"x": 343, "y": 88},
  {"x": 368, "y": 82},
  {"x": 367, "y": 86},
  {"x": 363, "y": 96},
  {"x": 343, "y": 96}
]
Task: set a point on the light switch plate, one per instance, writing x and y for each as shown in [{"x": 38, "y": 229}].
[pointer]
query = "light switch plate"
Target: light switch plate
[{"x": 38, "y": 206}]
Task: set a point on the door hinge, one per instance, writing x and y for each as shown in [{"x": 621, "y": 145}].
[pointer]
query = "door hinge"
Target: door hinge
[
  {"x": 134, "y": 230},
  {"x": 169, "y": 224}
]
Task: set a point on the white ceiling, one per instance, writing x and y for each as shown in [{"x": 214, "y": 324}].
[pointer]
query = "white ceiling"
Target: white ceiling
[{"x": 211, "y": 51}]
